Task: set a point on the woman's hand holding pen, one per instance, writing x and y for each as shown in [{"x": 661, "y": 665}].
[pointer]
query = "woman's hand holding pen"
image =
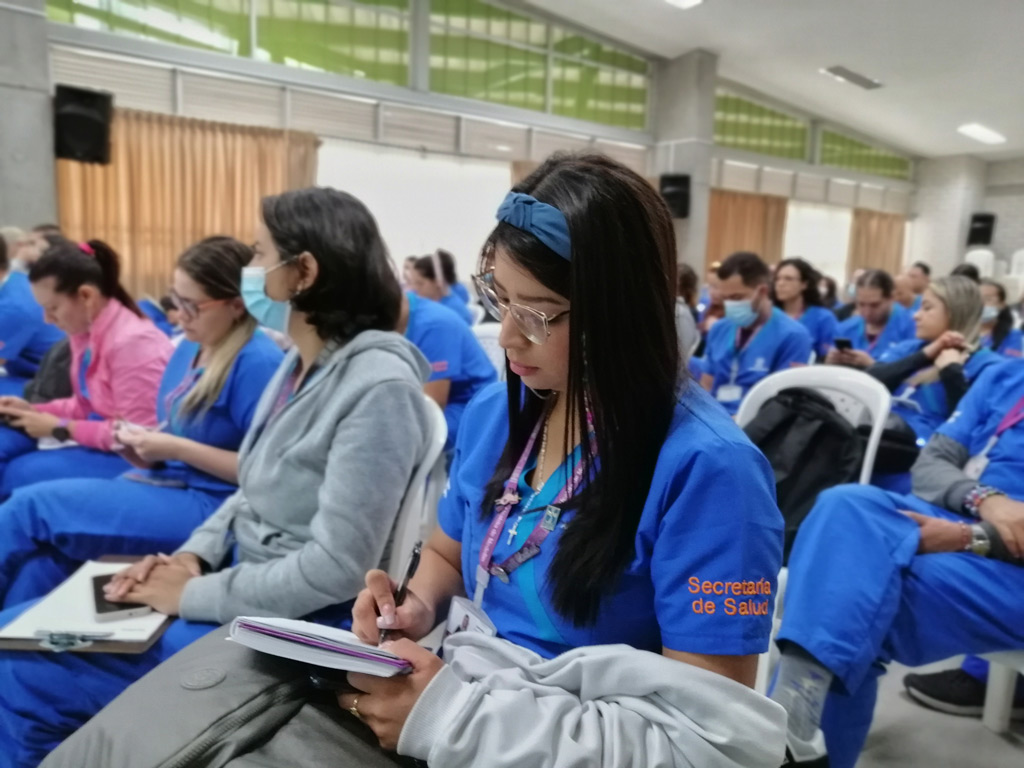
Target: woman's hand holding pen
[{"x": 375, "y": 610}]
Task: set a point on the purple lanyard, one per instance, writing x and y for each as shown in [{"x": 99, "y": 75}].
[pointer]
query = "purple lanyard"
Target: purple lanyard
[
  {"x": 503, "y": 507},
  {"x": 1014, "y": 417},
  {"x": 184, "y": 386}
]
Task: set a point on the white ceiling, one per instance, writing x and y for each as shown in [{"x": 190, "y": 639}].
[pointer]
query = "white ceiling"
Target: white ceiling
[{"x": 943, "y": 62}]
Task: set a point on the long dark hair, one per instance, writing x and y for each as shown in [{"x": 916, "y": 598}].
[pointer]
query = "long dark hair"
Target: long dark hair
[
  {"x": 808, "y": 274},
  {"x": 623, "y": 360},
  {"x": 831, "y": 296},
  {"x": 1004, "y": 321},
  {"x": 355, "y": 289},
  {"x": 73, "y": 265}
]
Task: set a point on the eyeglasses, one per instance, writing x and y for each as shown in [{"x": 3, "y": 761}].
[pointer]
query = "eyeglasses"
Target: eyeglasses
[
  {"x": 190, "y": 309},
  {"x": 532, "y": 323}
]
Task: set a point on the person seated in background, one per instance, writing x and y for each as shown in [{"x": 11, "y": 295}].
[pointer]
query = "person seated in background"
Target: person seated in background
[
  {"x": 795, "y": 292},
  {"x": 658, "y": 498},
  {"x": 710, "y": 308},
  {"x": 849, "y": 308},
  {"x": 459, "y": 367},
  {"x": 878, "y": 324},
  {"x": 754, "y": 339},
  {"x": 185, "y": 470},
  {"x": 920, "y": 275},
  {"x": 829, "y": 292},
  {"x": 428, "y": 282},
  {"x": 25, "y": 337},
  {"x": 118, "y": 359},
  {"x": 686, "y": 311},
  {"x": 710, "y": 279},
  {"x": 157, "y": 312},
  {"x": 903, "y": 293},
  {"x": 967, "y": 270},
  {"x": 11, "y": 236},
  {"x": 32, "y": 245},
  {"x": 451, "y": 277},
  {"x": 997, "y": 331},
  {"x": 333, "y": 445},
  {"x": 866, "y": 586}
]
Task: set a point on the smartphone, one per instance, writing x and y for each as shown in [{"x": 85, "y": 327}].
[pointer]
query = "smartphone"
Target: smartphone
[
  {"x": 844, "y": 345},
  {"x": 108, "y": 611}
]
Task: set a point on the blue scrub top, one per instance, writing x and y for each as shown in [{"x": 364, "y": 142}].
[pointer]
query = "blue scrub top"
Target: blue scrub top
[
  {"x": 821, "y": 323},
  {"x": 1012, "y": 346},
  {"x": 453, "y": 353},
  {"x": 156, "y": 313},
  {"x": 931, "y": 398},
  {"x": 900, "y": 327},
  {"x": 917, "y": 303},
  {"x": 461, "y": 291},
  {"x": 976, "y": 418},
  {"x": 708, "y": 545},
  {"x": 780, "y": 343},
  {"x": 226, "y": 422},
  {"x": 24, "y": 335},
  {"x": 458, "y": 306}
]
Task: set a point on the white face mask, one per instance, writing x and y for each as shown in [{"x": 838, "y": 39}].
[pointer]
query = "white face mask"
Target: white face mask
[
  {"x": 990, "y": 314},
  {"x": 268, "y": 313},
  {"x": 741, "y": 312}
]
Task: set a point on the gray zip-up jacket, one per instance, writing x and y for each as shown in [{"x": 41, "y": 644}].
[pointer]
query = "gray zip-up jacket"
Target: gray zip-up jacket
[{"x": 320, "y": 485}]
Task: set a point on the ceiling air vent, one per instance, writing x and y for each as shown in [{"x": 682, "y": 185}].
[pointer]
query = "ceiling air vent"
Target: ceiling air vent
[{"x": 849, "y": 76}]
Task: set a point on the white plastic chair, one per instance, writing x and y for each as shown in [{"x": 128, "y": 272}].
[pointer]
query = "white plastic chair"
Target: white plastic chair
[
  {"x": 478, "y": 313},
  {"x": 1002, "y": 681},
  {"x": 417, "y": 516},
  {"x": 487, "y": 334},
  {"x": 1017, "y": 263},
  {"x": 1001, "y": 269},
  {"x": 983, "y": 259},
  {"x": 857, "y": 397}
]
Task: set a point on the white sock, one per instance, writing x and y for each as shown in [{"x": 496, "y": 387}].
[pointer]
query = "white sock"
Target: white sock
[{"x": 801, "y": 685}]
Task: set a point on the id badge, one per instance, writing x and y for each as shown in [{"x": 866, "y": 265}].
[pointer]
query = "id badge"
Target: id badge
[
  {"x": 729, "y": 393},
  {"x": 464, "y": 616},
  {"x": 977, "y": 464}
]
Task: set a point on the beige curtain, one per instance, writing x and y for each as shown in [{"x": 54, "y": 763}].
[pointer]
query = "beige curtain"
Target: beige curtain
[
  {"x": 876, "y": 241},
  {"x": 738, "y": 221},
  {"x": 172, "y": 181}
]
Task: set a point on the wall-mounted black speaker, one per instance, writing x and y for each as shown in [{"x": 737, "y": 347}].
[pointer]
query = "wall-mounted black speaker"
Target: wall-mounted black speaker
[
  {"x": 81, "y": 122},
  {"x": 983, "y": 227},
  {"x": 675, "y": 188}
]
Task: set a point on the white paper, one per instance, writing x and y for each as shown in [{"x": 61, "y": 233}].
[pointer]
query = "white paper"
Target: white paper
[{"x": 70, "y": 608}]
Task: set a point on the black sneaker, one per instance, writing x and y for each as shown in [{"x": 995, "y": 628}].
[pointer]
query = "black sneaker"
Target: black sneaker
[
  {"x": 818, "y": 762},
  {"x": 954, "y": 692}
]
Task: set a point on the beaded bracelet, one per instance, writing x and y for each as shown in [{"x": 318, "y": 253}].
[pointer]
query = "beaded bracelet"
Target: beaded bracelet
[{"x": 977, "y": 495}]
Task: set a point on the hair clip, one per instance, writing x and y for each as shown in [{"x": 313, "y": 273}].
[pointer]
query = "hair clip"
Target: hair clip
[{"x": 86, "y": 249}]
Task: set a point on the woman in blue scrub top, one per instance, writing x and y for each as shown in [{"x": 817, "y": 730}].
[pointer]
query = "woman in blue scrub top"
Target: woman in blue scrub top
[
  {"x": 997, "y": 331},
  {"x": 866, "y": 585},
  {"x": 428, "y": 282},
  {"x": 451, "y": 276},
  {"x": 639, "y": 491},
  {"x": 879, "y": 323},
  {"x": 25, "y": 336},
  {"x": 184, "y": 470},
  {"x": 795, "y": 292},
  {"x": 754, "y": 339},
  {"x": 459, "y": 367}
]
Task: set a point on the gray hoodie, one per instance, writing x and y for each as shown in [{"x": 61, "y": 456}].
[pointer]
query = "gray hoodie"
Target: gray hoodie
[{"x": 320, "y": 485}]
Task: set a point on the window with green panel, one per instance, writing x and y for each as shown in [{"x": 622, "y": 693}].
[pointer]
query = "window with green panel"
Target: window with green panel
[
  {"x": 216, "y": 25},
  {"x": 366, "y": 39},
  {"x": 741, "y": 123},
  {"x": 475, "y": 68},
  {"x": 570, "y": 43},
  {"x": 852, "y": 154},
  {"x": 598, "y": 94}
]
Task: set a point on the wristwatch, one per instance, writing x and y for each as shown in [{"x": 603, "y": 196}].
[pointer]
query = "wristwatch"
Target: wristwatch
[
  {"x": 980, "y": 544},
  {"x": 61, "y": 431}
]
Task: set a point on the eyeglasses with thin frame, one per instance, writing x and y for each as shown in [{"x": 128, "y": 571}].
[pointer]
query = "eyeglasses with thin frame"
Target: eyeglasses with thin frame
[
  {"x": 190, "y": 309},
  {"x": 532, "y": 323}
]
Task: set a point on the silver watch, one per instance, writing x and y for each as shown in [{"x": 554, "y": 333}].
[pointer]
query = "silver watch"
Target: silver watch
[{"x": 980, "y": 543}]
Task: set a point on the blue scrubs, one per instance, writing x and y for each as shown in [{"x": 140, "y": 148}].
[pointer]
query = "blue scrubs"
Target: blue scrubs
[
  {"x": 461, "y": 291},
  {"x": 1011, "y": 346},
  {"x": 708, "y": 544},
  {"x": 917, "y": 303},
  {"x": 821, "y": 323},
  {"x": 779, "y": 344},
  {"x": 859, "y": 595},
  {"x": 48, "y": 529},
  {"x": 453, "y": 353},
  {"x": 454, "y": 303},
  {"x": 24, "y": 335},
  {"x": 156, "y": 313},
  {"x": 899, "y": 328}
]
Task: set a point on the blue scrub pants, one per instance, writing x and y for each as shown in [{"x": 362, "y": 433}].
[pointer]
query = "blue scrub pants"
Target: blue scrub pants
[
  {"x": 45, "y": 697},
  {"x": 48, "y": 530},
  {"x": 860, "y": 596},
  {"x": 22, "y": 463}
]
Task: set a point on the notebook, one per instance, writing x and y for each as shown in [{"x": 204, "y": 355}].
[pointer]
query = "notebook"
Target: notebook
[
  {"x": 316, "y": 644},
  {"x": 70, "y": 609}
]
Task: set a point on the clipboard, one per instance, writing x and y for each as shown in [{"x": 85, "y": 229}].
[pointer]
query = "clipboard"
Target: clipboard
[{"x": 60, "y": 642}]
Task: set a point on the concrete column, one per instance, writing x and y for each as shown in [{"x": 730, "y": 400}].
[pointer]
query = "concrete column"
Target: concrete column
[
  {"x": 949, "y": 190},
  {"x": 684, "y": 131},
  {"x": 28, "y": 192}
]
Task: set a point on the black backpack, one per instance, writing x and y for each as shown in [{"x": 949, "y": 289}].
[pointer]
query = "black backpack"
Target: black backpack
[{"x": 811, "y": 448}]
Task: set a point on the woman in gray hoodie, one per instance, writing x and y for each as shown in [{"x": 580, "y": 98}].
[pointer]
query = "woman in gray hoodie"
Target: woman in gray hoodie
[{"x": 323, "y": 469}]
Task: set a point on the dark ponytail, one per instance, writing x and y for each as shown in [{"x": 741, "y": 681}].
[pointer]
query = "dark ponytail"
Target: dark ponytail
[{"x": 73, "y": 265}]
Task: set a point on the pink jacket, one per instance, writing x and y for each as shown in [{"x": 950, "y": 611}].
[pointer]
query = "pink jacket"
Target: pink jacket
[{"x": 127, "y": 361}]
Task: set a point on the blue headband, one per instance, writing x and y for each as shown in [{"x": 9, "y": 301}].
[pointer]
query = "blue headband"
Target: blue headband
[{"x": 543, "y": 221}]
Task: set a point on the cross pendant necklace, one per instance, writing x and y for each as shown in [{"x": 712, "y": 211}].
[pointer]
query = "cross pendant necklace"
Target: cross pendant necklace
[{"x": 537, "y": 470}]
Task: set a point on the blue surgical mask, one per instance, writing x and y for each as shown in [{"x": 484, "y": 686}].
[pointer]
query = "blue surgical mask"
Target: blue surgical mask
[
  {"x": 741, "y": 312},
  {"x": 989, "y": 314},
  {"x": 269, "y": 313}
]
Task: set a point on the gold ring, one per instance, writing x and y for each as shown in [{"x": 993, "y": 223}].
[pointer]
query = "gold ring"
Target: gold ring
[{"x": 354, "y": 709}]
